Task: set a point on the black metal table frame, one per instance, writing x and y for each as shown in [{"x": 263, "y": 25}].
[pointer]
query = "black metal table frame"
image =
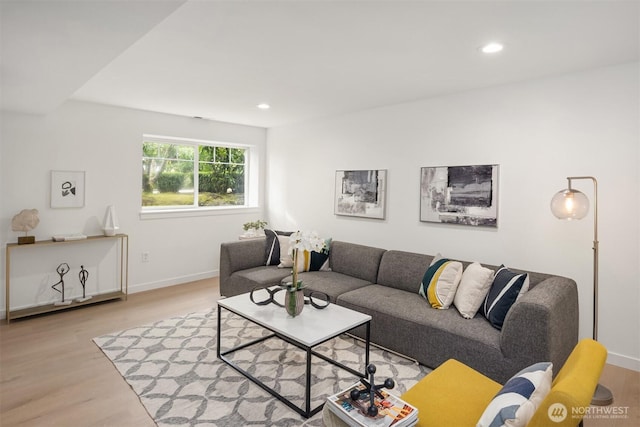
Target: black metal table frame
[{"x": 308, "y": 412}]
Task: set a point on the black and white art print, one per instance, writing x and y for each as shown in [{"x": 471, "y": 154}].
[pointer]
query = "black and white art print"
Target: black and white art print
[
  {"x": 67, "y": 189},
  {"x": 465, "y": 195},
  {"x": 361, "y": 193}
]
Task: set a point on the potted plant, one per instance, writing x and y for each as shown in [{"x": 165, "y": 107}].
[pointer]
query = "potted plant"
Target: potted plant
[{"x": 254, "y": 228}]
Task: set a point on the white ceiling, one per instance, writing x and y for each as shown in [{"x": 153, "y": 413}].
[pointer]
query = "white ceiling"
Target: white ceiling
[{"x": 308, "y": 59}]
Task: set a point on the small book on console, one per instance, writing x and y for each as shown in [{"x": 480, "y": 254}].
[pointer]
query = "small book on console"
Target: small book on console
[
  {"x": 392, "y": 411},
  {"x": 68, "y": 237}
]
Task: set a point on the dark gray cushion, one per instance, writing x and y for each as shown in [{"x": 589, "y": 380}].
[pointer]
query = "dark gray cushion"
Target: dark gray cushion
[
  {"x": 331, "y": 283},
  {"x": 355, "y": 260},
  {"x": 244, "y": 281},
  {"x": 403, "y": 270}
]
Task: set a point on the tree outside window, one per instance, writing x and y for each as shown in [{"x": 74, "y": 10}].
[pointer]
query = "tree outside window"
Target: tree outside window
[{"x": 190, "y": 175}]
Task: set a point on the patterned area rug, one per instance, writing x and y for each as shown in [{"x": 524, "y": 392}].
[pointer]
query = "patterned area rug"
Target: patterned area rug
[{"x": 173, "y": 368}]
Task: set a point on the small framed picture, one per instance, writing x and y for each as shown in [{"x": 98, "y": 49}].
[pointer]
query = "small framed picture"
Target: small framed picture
[
  {"x": 67, "y": 189},
  {"x": 361, "y": 193}
]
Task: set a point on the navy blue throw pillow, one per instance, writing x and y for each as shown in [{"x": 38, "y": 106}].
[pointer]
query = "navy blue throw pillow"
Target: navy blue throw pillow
[{"x": 506, "y": 288}]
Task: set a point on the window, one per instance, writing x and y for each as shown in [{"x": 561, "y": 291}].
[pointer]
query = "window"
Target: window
[{"x": 178, "y": 173}]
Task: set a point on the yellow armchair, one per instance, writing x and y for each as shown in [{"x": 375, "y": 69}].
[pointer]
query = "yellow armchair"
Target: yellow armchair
[{"x": 456, "y": 395}]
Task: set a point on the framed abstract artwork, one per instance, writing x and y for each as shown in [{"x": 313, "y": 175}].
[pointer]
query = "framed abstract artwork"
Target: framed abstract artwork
[
  {"x": 361, "y": 193},
  {"x": 67, "y": 189},
  {"x": 465, "y": 195}
]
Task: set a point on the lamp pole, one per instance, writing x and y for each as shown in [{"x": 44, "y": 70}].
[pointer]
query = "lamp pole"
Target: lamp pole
[
  {"x": 572, "y": 204},
  {"x": 595, "y": 248}
]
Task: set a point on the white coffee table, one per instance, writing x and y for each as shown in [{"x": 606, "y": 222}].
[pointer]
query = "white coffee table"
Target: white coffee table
[{"x": 307, "y": 330}]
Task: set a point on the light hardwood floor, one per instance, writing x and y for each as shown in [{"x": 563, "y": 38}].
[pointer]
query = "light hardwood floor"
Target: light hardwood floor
[{"x": 52, "y": 374}]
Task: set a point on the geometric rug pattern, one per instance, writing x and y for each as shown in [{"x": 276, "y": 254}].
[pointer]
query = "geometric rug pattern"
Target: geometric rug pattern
[{"x": 172, "y": 366}]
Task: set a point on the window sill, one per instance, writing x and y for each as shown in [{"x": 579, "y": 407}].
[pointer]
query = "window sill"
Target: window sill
[{"x": 194, "y": 212}]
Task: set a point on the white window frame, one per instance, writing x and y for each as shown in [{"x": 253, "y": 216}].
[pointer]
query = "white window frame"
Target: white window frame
[{"x": 251, "y": 183}]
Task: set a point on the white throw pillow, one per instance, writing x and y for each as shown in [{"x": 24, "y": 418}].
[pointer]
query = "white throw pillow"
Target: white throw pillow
[
  {"x": 286, "y": 260},
  {"x": 472, "y": 290}
]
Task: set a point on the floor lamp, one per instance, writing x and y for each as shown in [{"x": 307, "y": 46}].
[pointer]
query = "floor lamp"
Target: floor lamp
[{"x": 572, "y": 204}]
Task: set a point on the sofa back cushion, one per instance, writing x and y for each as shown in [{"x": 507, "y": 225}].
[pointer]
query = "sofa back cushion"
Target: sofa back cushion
[
  {"x": 403, "y": 270},
  {"x": 355, "y": 260},
  {"x": 241, "y": 255}
]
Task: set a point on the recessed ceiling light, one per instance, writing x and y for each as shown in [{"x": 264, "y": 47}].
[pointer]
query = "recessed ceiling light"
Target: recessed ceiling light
[
  {"x": 263, "y": 106},
  {"x": 492, "y": 48}
]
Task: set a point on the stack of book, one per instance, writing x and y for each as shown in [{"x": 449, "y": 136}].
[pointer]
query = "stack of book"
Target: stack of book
[{"x": 392, "y": 411}]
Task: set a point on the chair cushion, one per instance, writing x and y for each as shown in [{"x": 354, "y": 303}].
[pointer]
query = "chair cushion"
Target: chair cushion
[
  {"x": 452, "y": 395},
  {"x": 519, "y": 398}
]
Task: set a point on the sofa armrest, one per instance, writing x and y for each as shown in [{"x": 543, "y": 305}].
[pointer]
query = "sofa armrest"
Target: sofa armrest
[
  {"x": 543, "y": 324},
  {"x": 240, "y": 255}
]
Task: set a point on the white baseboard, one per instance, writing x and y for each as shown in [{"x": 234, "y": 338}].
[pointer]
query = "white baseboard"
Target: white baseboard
[
  {"x": 141, "y": 287},
  {"x": 623, "y": 361}
]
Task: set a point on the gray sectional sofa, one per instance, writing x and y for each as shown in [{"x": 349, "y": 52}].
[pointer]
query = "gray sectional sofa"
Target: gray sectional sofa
[{"x": 541, "y": 326}]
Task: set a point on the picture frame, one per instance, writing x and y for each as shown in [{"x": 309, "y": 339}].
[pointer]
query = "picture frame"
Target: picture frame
[
  {"x": 67, "y": 189},
  {"x": 466, "y": 195},
  {"x": 361, "y": 193}
]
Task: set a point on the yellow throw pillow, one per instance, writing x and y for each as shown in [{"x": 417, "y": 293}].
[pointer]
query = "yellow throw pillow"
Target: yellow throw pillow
[{"x": 440, "y": 283}]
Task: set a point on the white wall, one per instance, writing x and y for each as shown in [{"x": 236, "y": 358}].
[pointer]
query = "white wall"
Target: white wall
[
  {"x": 539, "y": 132},
  {"x": 106, "y": 143}
]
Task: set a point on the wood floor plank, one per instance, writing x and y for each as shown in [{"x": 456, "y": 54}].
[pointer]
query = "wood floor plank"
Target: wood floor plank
[{"x": 52, "y": 374}]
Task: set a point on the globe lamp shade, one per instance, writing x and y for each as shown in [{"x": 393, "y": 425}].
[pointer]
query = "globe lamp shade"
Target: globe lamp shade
[{"x": 570, "y": 204}]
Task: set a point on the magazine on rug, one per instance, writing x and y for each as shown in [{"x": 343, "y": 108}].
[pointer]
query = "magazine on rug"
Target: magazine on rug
[{"x": 392, "y": 411}]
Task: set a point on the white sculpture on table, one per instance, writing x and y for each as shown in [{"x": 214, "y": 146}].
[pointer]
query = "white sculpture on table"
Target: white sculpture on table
[{"x": 25, "y": 221}]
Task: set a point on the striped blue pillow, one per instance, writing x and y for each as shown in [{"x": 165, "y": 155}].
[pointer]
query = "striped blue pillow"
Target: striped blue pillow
[
  {"x": 506, "y": 288},
  {"x": 519, "y": 398}
]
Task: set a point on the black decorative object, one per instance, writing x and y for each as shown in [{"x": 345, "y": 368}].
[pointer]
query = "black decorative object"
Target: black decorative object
[
  {"x": 83, "y": 276},
  {"x": 270, "y": 299},
  {"x": 316, "y": 299},
  {"x": 371, "y": 390},
  {"x": 61, "y": 270},
  {"x": 316, "y": 296}
]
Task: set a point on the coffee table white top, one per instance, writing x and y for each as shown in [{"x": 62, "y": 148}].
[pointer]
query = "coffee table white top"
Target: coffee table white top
[{"x": 311, "y": 327}]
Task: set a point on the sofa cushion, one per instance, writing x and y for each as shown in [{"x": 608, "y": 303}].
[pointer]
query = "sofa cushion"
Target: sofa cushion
[
  {"x": 506, "y": 288},
  {"x": 331, "y": 283},
  {"x": 403, "y": 270},
  {"x": 440, "y": 282},
  {"x": 243, "y": 281},
  {"x": 260, "y": 276},
  {"x": 472, "y": 290},
  {"x": 517, "y": 401},
  {"x": 429, "y": 336},
  {"x": 355, "y": 260}
]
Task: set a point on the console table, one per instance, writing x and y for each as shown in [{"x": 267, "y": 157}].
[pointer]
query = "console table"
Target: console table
[{"x": 121, "y": 275}]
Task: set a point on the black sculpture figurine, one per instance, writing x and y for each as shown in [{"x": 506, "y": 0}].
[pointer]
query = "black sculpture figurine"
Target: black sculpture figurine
[
  {"x": 83, "y": 276},
  {"x": 371, "y": 390},
  {"x": 61, "y": 270}
]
